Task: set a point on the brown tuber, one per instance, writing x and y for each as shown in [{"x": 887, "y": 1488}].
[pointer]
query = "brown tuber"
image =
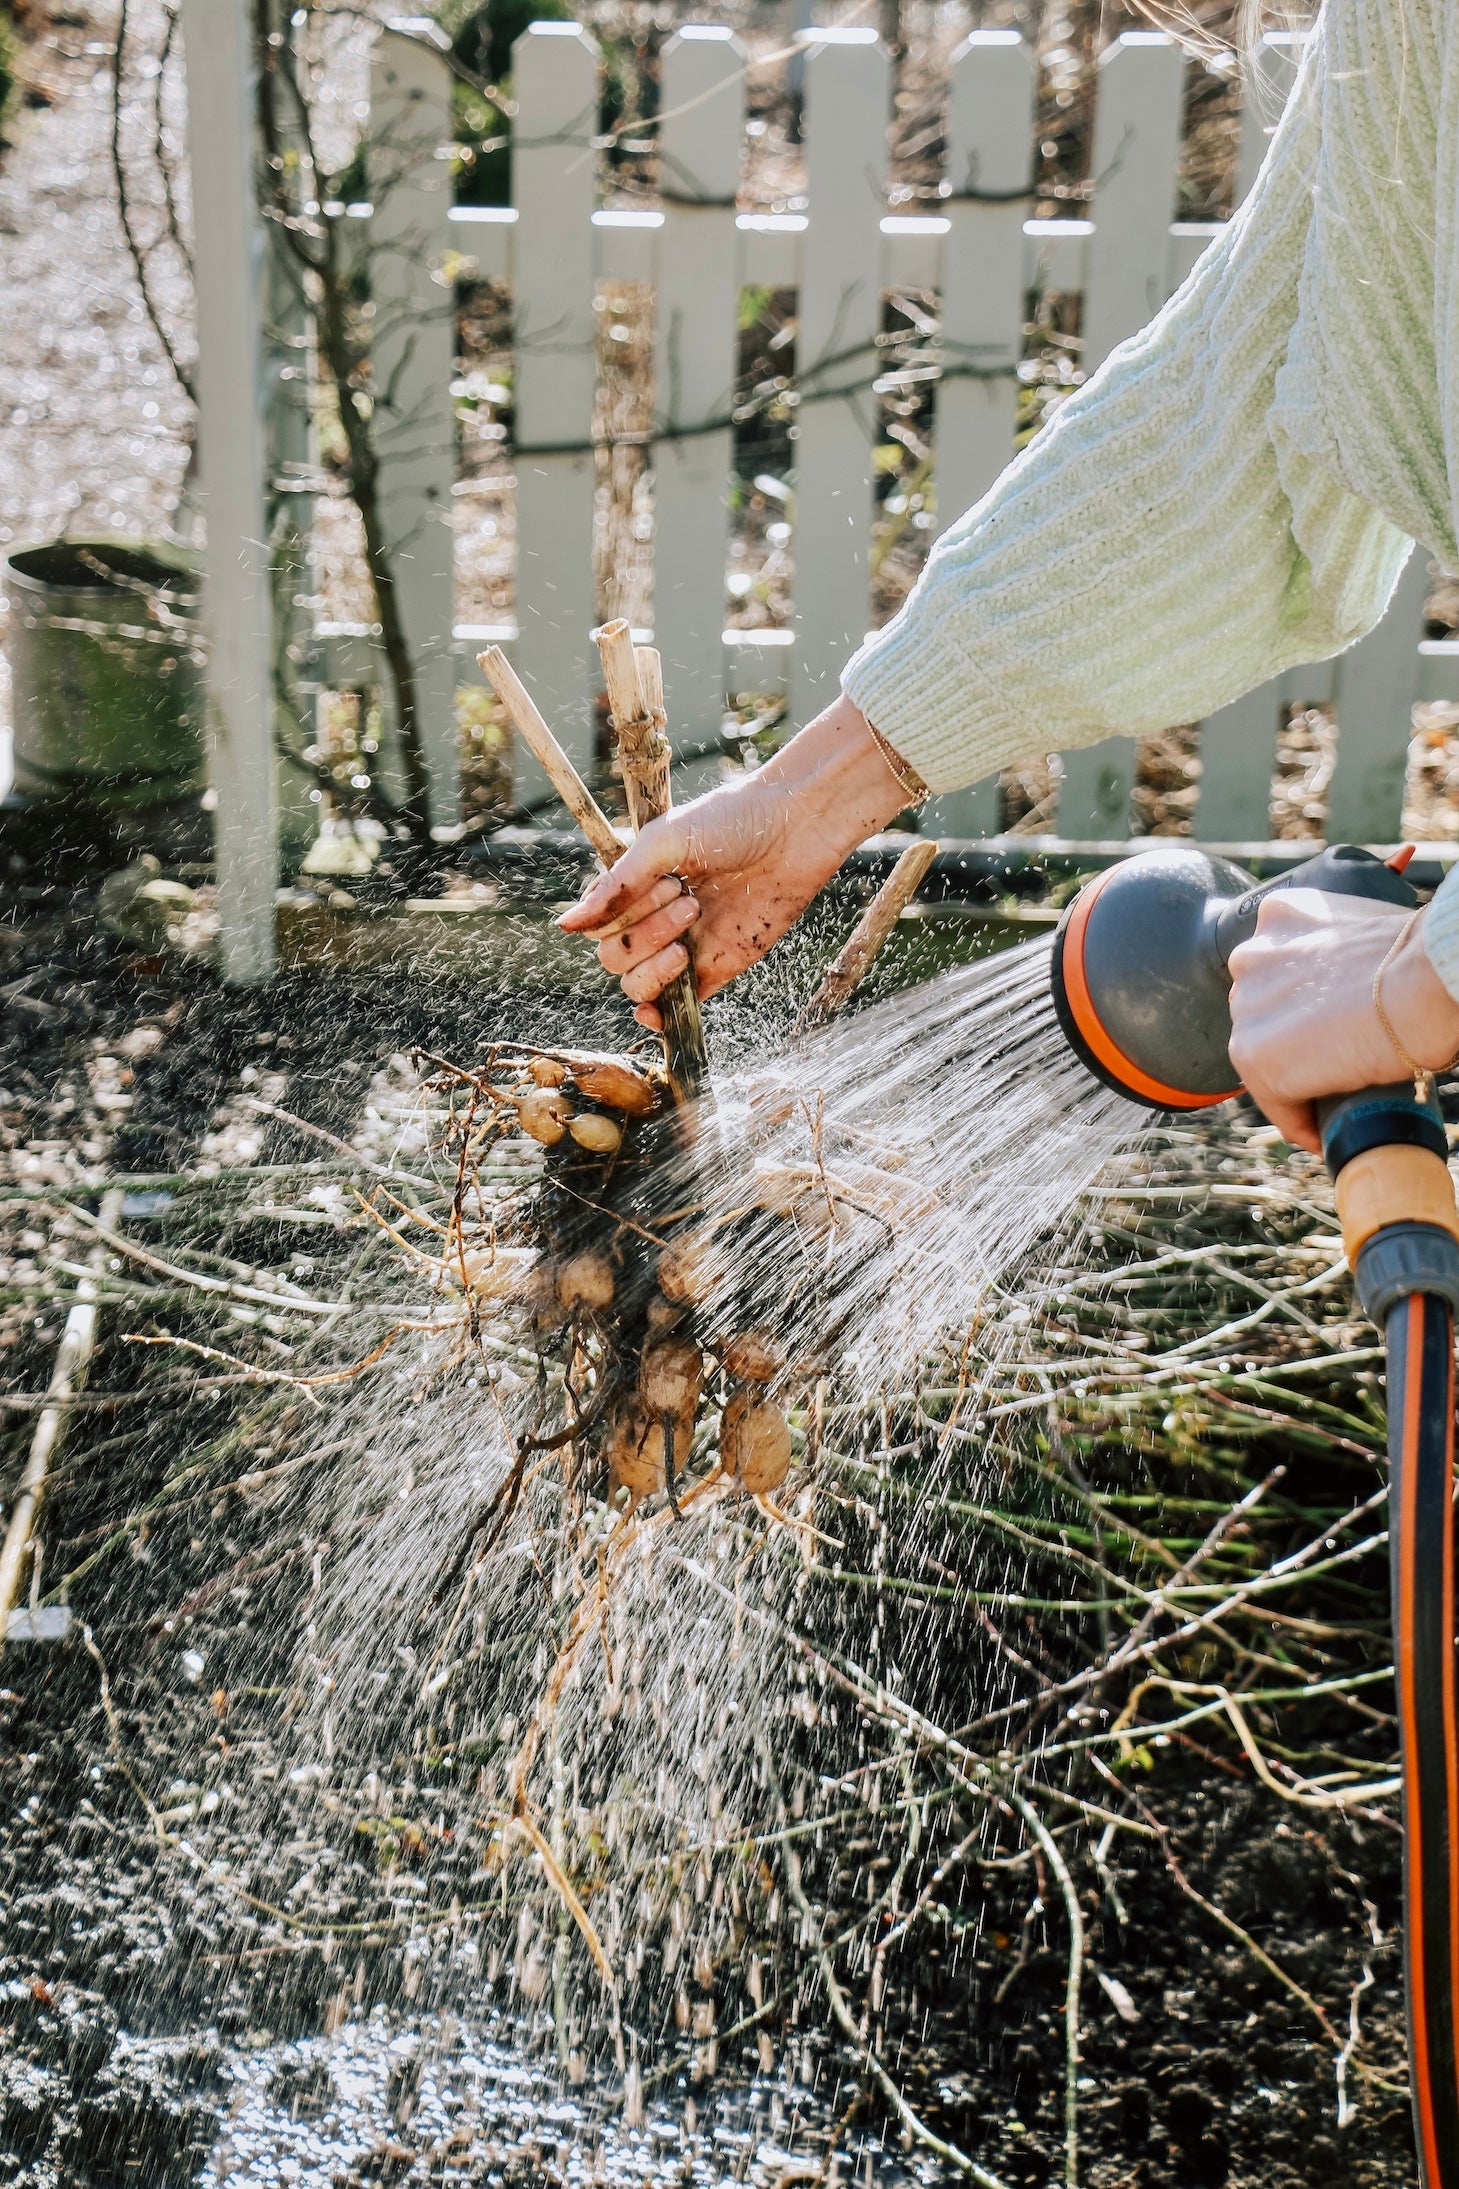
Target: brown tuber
[
  {"x": 599, "y": 1135},
  {"x": 503, "y": 1273},
  {"x": 670, "y": 1380},
  {"x": 688, "y": 1269},
  {"x": 547, "y": 1071},
  {"x": 754, "y": 1357},
  {"x": 586, "y": 1280},
  {"x": 543, "y": 1113},
  {"x": 754, "y": 1443},
  {"x": 615, "y": 1083},
  {"x": 635, "y": 1451}
]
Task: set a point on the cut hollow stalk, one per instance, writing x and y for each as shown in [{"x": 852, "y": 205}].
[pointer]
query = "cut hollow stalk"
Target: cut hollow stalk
[{"x": 634, "y": 680}]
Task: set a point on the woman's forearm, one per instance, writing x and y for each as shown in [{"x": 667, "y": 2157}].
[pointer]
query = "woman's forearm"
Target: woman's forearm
[{"x": 836, "y": 771}]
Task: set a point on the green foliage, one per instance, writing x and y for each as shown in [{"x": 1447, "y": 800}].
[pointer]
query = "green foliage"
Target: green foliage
[
  {"x": 9, "y": 54},
  {"x": 482, "y": 42}
]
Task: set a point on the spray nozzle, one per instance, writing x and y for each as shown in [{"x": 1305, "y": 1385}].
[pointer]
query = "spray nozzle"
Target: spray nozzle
[{"x": 1141, "y": 967}]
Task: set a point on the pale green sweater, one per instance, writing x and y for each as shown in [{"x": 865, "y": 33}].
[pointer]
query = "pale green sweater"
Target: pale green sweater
[{"x": 1238, "y": 487}]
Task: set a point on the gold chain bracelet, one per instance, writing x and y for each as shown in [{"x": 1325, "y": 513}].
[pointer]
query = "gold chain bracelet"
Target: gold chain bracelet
[
  {"x": 906, "y": 775},
  {"x": 1423, "y": 1076}
]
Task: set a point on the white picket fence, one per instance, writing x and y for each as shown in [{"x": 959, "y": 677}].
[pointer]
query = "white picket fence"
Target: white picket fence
[{"x": 980, "y": 253}]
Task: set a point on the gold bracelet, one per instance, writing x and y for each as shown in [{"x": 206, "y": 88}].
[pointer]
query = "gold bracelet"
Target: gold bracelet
[
  {"x": 910, "y": 781},
  {"x": 1423, "y": 1078}
]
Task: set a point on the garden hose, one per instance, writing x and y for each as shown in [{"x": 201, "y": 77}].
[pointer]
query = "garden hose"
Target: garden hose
[{"x": 1142, "y": 990}]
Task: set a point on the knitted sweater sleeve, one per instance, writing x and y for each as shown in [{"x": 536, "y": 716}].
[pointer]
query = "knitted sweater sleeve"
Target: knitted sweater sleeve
[{"x": 1237, "y": 488}]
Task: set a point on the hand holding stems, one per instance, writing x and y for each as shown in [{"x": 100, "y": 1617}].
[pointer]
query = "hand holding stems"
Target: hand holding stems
[
  {"x": 740, "y": 864},
  {"x": 1302, "y": 1013}
]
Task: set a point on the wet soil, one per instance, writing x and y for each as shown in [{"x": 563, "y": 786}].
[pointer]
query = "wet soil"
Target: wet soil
[{"x": 209, "y": 1933}]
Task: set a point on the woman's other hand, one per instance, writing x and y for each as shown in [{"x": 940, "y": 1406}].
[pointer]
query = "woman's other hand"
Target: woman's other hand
[
  {"x": 740, "y": 864},
  {"x": 1303, "y": 1019}
]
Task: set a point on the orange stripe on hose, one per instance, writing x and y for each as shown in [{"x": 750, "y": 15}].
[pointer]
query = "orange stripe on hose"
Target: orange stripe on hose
[
  {"x": 1086, "y": 1018},
  {"x": 1451, "y": 1714},
  {"x": 1408, "y": 1554}
]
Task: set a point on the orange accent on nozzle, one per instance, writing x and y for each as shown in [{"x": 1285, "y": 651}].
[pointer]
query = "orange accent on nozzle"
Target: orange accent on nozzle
[
  {"x": 1400, "y": 858},
  {"x": 1081, "y": 1008}
]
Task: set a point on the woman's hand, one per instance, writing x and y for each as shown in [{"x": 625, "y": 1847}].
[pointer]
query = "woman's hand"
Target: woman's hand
[
  {"x": 753, "y": 854},
  {"x": 1302, "y": 1012}
]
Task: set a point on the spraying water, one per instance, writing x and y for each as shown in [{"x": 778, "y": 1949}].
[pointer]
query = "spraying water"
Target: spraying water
[
  {"x": 872, "y": 1192},
  {"x": 864, "y": 1202}
]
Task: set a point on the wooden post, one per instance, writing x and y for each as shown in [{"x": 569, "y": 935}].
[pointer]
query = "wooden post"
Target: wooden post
[
  {"x": 990, "y": 171},
  {"x": 554, "y": 186},
  {"x": 848, "y": 85},
  {"x": 702, "y": 102},
  {"x": 413, "y": 352},
  {"x": 1136, "y": 147},
  {"x": 232, "y": 398}
]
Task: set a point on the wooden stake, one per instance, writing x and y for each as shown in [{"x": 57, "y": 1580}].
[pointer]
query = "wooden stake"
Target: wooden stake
[
  {"x": 868, "y": 935},
  {"x": 635, "y": 684},
  {"x": 560, "y": 772},
  {"x": 73, "y": 1358}
]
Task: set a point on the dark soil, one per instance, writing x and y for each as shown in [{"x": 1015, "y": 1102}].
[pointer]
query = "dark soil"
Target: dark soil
[{"x": 145, "y": 1855}]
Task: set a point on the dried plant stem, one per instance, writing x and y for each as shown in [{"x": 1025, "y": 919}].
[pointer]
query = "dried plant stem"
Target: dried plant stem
[
  {"x": 73, "y": 1358},
  {"x": 559, "y": 770},
  {"x": 562, "y": 1885},
  {"x": 840, "y": 2008},
  {"x": 868, "y": 935}
]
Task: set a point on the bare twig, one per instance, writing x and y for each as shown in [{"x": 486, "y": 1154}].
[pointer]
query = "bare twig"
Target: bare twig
[{"x": 73, "y": 1358}]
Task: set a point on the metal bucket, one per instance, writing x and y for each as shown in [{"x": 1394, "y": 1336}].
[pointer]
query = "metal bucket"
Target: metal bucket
[{"x": 106, "y": 678}]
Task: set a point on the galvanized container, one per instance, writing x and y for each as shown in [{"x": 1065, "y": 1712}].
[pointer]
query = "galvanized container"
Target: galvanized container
[{"x": 106, "y": 674}]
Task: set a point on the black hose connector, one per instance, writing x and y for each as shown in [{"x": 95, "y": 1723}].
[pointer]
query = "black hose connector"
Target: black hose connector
[
  {"x": 1379, "y": 1117},
  {"x": 1402, "y": 1259}
]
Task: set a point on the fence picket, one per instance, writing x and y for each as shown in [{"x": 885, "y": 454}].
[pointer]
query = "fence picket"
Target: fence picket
[
  {"x": 989, "y": 164},
  {"x": 847, "y": 88},
  {"x": 1135, "y": 154},
  {"x": 1238, "y": 748},
  {"x": 700, "y": 134},
  {"x": 232, "y": 457},
  {"x": 1238, "y": 743},
  {"x": 1375, "y": 685},
  {"x": 1137, "y": 119},
  {"x": 412, "y": 355},
  {"x": 554, "y": 186}
]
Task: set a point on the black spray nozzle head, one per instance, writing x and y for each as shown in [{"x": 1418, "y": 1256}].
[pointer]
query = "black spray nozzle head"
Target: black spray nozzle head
[
  {"x": 1139, "y": 984},
  {"x": 1140, "y": 973}
]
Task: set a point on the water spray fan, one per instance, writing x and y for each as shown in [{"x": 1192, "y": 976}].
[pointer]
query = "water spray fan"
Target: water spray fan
[{"x": 1141, "y": 984}]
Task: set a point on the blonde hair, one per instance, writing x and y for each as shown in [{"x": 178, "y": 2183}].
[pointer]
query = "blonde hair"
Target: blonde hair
[{"x": 1248, "y": 19}]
